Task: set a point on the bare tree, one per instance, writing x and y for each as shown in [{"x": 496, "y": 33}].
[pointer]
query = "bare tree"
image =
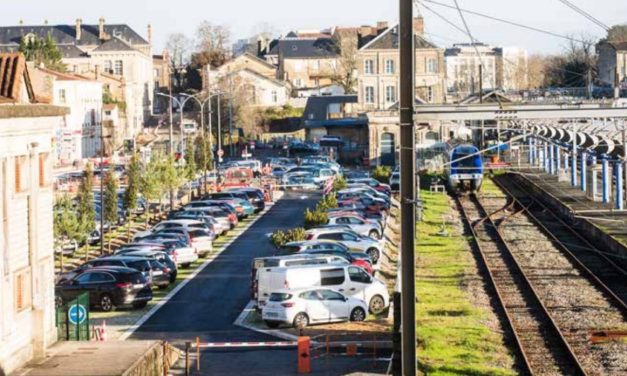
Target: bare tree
[
  {"x": 179, "y": 47},
  {"x": 536, "y": 71},
  {"x": 211, "y": 44},
  {"x": 345, "y": 71},
  {"x": 263, "y": 29}
]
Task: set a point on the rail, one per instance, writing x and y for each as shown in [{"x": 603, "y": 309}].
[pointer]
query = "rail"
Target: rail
[{"x": 527, "y": 318}]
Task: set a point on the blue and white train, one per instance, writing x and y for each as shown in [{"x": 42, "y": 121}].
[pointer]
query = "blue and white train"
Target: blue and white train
[{"x": 465, "y": 172}]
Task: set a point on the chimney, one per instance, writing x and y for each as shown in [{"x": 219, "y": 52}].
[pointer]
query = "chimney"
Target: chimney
[
  {"x": 101, "y": 30},
  {"x": 150, "y": 34},
  {"x": 382, "y": 25},
  {"x": 419, "y": 25},
  {"x": 79, "y": 23},
  {"x": 365, "y": 30}
]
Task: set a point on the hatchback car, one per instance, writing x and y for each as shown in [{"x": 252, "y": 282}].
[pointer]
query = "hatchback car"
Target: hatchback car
[
  {"x": 108, "y": 288},
  {"x": 303, "y": 307},
  {"x": 350, "y": 239}
]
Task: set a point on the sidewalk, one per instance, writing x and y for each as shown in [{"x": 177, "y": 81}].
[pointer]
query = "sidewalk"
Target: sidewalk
[{"x": 99, "y": 359}]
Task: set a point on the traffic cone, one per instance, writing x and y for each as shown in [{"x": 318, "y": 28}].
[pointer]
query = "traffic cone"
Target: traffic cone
[{"x": 103, "y": 331}]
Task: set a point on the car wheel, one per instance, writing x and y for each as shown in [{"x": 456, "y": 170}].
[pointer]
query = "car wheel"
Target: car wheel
[
  {"x": 374, "y": 254},
  {"x": 272, "y": 324},
  {"x": 374, "y": 234},
  {"x": 140, "y": 305},
  {"x": 358, "y": 314},
  {"x": 106, "y": 303},
  {"x": 301, "y": 320},
  {"x": 377, "y": 304}
]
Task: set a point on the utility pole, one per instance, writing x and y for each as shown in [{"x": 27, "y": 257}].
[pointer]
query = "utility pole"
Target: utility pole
[
  {"x": 408, "y": 187},
  {"x": 480, "y": 83},
  {"x": 171, "y": 145},
  {"x": 219, "y": 131}
]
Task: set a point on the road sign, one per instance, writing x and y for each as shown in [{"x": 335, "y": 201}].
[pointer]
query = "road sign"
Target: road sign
[
  {"x": 220, "y": 153},
  {"x": 77, "y": 314}
]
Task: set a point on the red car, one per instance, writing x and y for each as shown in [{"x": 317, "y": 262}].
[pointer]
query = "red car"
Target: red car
[{"x": 374, "y": 183}]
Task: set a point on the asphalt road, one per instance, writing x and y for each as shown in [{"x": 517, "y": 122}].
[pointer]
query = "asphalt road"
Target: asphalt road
[{"x": 209, "y": 304}]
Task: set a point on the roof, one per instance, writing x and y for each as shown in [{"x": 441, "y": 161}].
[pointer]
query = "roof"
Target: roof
[
  {"x": 389, "y": 40},
  {"x": 70, "y": 51},
  {"x": 63, "y": 76},
  {"x": 13, "y": 78},
  {"x": 66, "y": 34},
  {"x": 113, "y": 44},
  {"x": 492, "y": 96},
  {"x": 317, "y": 106},
  {"x": 260, "y": 76},
  {"x": 307, "y": 48}
]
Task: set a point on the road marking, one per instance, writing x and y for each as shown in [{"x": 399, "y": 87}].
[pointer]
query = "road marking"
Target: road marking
[
  {"x": 184, "y": 282},
  {"x": 271, "y": 332}
]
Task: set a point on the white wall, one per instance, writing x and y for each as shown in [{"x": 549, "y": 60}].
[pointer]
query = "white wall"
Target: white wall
[{"x": 26, "y": 240}]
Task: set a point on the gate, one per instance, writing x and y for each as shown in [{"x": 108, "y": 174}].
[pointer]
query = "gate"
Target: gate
[{"x": 72, "y": 319}]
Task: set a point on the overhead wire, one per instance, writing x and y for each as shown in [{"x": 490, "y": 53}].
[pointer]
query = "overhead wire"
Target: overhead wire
[{"x": 585, "y": 14}]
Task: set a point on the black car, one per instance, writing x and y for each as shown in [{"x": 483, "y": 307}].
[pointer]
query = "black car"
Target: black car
[
  {"x": 108, "y": 288},
  {"x": 161, "y": 256}
]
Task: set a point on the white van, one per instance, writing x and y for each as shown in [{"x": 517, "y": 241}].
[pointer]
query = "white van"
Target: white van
[{"x": 347, "y": 279}]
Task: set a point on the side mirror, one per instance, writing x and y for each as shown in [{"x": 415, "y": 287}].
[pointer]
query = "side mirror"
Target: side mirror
[{"x": 345, "y": 298}]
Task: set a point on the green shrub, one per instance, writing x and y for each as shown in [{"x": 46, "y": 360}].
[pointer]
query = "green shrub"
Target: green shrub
[
  {"x": 280, "y": 238},
  {"x": 382, "y": 174},
  {"x": 339, "y": 183},
  {"x": 328, "y": 202},
  {"x": 315, "y": 218}
]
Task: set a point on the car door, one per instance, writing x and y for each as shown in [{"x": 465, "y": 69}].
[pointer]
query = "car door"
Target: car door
[
  {"x": 335, "y": 304},
  {"x": 314, "y": 305},
  {"x": 74, "y": 287},
  {"x": 359, "y": 281},
  {"x": 350, "y": 240},
  {"x": 358, "y": 225},
  {"x": 99, "y": 283}
]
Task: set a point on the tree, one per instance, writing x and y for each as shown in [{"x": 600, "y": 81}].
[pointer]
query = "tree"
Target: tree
[
  {"x": 617, "y": 33},
  {"x": 211, "y": 45},
  {"x": 152, "y": 187},
  {"x": 132, "y": 190},
  {"x": 179, "y": 48},
  {"x": 170, "y": 175},
  {"x": 42, "y": 51},
  {"x": 66, "y": 225},
  {"x": 85, "y": 209},
  {"x": 190, "y": 160},
  {"x": 344, "y": 72},
  {"x": 110, "y": 198},
  {"x": 536, "y": 70}
]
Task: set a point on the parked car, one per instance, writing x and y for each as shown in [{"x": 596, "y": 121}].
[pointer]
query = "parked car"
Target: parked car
[
  {"x": 227, "y": 220},
  {"x": 176, "y": 246},
  {"x": 160, "y": 256},
  {"x": 255, "y": 197},
  {"x": 358, "y": 224},
  {"x": 187, "y": 224},
  {"x": 108, "y": 287},
  {"x": 374, "y": 183},
  {"x": 395, "y": 181},
  {"x": 202, "y": 240},
  {"x": 350, "y": 239},
  {"x": 299, "y": 247},
  {"x": 349, "y": 257},
  {"x": 348, "y": 279},
  {"x": 304, "y": 307}
]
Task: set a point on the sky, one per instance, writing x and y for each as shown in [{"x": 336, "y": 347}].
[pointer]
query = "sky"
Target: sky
[{"x": 243, "y": 17}]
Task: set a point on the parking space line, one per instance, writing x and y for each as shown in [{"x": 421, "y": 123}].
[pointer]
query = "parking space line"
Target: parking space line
[{"x": 184, "y": 282}]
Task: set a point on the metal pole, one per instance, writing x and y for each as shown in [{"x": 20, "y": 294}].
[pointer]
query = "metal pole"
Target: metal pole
[
  {"x": 583, "y": 176},
  {"x": 551, "y": 160},
  {"x": 171, "y": 146},
  {"x": 211, "y": 129},
  {"x": 219, "y": 129},
  {"x": 573, "y": 163},
  {"x": 481, "y": 83},
  {"x": 231, "y": 148},
  {"x": 606, "y": 179},
  {"x": 618, "y": 167},
  {"x": 558, "y": 159},
  {"x": 101, "y": 191},
  {"x": 408, "y": 188}
]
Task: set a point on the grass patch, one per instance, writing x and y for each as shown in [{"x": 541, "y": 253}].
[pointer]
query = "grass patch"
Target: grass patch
[{"x": 452, "y": 336}]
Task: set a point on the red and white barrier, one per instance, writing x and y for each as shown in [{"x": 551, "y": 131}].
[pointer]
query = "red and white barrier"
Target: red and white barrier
[{"x": 219, "y": 345}]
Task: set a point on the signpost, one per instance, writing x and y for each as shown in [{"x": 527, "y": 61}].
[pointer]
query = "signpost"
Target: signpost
[{"x": 77, "y": 314}]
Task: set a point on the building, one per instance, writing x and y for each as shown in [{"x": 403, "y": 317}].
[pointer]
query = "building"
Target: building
[
  {"x": 249, "y": 76},
  {"x": 114, "y": 49},
  {"x": 162, "y": 77},
  {"x": 612, "y": 63},
  {"x": 79, "y": 136},
  {"x": 378, "y": 68},
  {"x": 501, "y": 68},
  {"x": 27, "y": 323},
  {"x": 308, "y": 60}
]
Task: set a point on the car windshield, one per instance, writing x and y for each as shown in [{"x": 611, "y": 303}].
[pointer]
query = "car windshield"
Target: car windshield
[
  {"x": 279, "y": 297},
  {"x": 134, "y": 278}
]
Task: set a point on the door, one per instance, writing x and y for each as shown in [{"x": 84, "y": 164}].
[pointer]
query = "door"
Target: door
[
  {"x": 316, "y": 310},
  {"x": 388, "y": 147},
  {"x": 359, "y": 281},
  {"x": 335, "y": 304},
  {"x": 350, "y": 240}
]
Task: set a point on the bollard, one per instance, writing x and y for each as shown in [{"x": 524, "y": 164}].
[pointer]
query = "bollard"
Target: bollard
[
  {"x": 198, "y": 354},
  {"x": 304, "y": 356},
  {"x": 188, "y": 344}
]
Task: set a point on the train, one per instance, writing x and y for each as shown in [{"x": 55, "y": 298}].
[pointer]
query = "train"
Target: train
[{"x": 464, "y": 173}]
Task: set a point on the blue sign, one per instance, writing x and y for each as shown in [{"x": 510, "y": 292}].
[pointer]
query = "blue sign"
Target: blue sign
[{"x": 77, "y": 314}]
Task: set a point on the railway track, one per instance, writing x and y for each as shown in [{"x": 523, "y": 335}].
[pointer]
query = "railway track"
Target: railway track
[
  {"x": 541, "y": 346},
  {"x": 605, "y": 273}
]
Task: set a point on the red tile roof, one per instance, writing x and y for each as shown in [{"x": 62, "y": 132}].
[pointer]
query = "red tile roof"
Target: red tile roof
[{"x": 14, "y": 74}]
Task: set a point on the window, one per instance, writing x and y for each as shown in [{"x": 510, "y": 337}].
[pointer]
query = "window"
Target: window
[
  {"x": 369, "y": 94},
  {"x": 332, "y": 277},
  {"x": 119, "y": 68},
  {"x": 432, "y": 66},
  {"x": 275, "y": 96},
  {"x": 348, "y": 237},
  {"x": 108, "y": 67},
  {"x": 331, "y": 295},
  {"x": 389, "y": 66},
  {"x": 331, "y": 236},
  {"x": 62, "y": 98},
  {"x": 84, "y": 278},
  {"x": 369, "y": 66},
  {"x": 429, "y": 93},
  {"x": 101, "y": 278},
  {"x": 355, "y": 221},
  {"x": 310, "y": 295},
  {"x": 22, "y": 290},
  {"x": 390, "y": 94},
  {"x": 298, "y": 82},
  {"x": 20, "y": 174},
  {"x": 358, "y": 275}
]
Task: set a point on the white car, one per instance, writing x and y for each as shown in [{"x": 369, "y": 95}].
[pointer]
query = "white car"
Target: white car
[
  {"x": 358, "y": 224},
  {"x": 202, "y": 241},
  {"x": 351, "y": 239},
  {"x": 303, "y": 307},
  {"x": 187, "y": 224}
]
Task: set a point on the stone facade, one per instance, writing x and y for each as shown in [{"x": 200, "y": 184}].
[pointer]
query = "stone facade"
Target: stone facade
[{"x": 612, "y": 61}]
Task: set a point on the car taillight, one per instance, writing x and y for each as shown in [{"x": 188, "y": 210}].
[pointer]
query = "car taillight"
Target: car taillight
[
  {"x": 309, "y": 236},
  {"x": 288, "y": 304},
  {"x": 123, "y": 285}
]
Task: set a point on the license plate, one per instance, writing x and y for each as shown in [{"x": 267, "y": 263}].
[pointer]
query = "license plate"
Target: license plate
[
  {"x": 272, "y": 314},
  {"x": 157, "y": 272},
  {"x": 138, "y": 286}
]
